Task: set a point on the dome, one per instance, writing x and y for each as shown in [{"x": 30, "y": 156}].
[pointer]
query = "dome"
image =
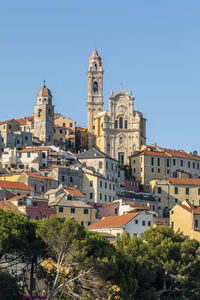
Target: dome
[{"x": 44, "y": 92}]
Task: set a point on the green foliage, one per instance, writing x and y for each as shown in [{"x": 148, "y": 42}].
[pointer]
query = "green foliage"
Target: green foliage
[{"x": 9, "y": 288}]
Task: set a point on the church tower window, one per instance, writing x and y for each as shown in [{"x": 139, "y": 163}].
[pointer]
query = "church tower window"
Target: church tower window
[
  {"x": 95, "y": 67},
  {"x": 126, "y": 124},
  {"x": 95, "y": 87},
  {"x": 116, "y": 123},
  {"x": 121, "y": 122}
]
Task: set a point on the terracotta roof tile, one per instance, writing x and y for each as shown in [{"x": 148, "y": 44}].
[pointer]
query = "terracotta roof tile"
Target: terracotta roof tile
[
  {"x": 21, "y": 121},
  {"x": 36, "y": 175},
  {"x": 5, "y": 122},
  {"x": 74, "y": 192},
  {"x": 10, "y": 206},
  {"x": 114, "y": 221},
  {"x": 15, "y": 185},
  {"x": 184, "y": 181},
  {"x": 34, "y": 149}
]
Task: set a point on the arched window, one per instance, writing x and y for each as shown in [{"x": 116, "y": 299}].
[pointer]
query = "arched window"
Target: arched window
[
  {"x": 95, "y": 87},
  {"x": 95, "y": 67},
  {"x": 121, "y": 122},
  {"x": 126, "y": 124}
]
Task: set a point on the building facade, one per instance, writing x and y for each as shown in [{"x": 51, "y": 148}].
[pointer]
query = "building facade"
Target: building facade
[{"x": 118, "y": 131}]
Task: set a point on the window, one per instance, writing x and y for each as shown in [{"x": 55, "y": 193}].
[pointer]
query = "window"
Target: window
[
  {"x": 136, "y": 221},
  {"x": 20, "y": 155},
  {"x": 158, "y": 161},
  {"x": 95, "y": 87},
  {"x": 158, "y": 170},
  {"x": 196, "y": 223},
  {"x": 109, "y": 198},
  {"x": 172, "y": 212},
  {"x": 176, "y": 190},
  {"x": 134, "y": 170},
  {"x": 159, "y": 199},
  {"x": 120, "y": 122},
  {"x": 159, "y": 190},
  {"x": 143, "y": 223},
  {"x": 60, "y": 209},
  {"x": 71, "y": 125},
  {"x": 91, "y": 195},
  {"x": 152, "y": 170},
  {"x": 188, "y": 164},
  {"x": 193, "y": 165},
  {"x": 187, "y": 191},
  {"x": 116, "y": 124},
  {"x": 69, "y": 197},
  {"x": 34, "y": 204},
  {"x": 181, "y": 163},
  {"x": 100, "y": 183},
  {"x": 39, "y": 113},
  {"x": 113, "y": 187},
  {"x": 168, "y": 171},
  {"x": 110, "y": 186},
  {"x": 9, "y": 126},
  {"x": 176, "y": 200},
  {"x": 63, "y": 178},
  {"x": 105, "y": 185},
  {"x": 106, "y": 164},
  {"x": 174, "y": 161},
  {"x": 152, "y": 161},
  {"x": 199, "y": 191},
  {"x": 28, "y": 154},
  {"x": 100, "y": 196},
  {"x": 91, "y": 183},
  {"x": 198, "y": 166},
  {"x": 100, "y": 164},
  {"x": 61, "y": 130},
  {"x": 43, "y": 154},
  {"x": 71, "y": 179},
  {"x": 105, "y": 197},
  {"x": 63, "y": 124},
  {"x": 167, "y": 162},
  {"x": 116, "y": 211},
  {"x": 85, "y": 211},
  {"x": 149, "y": 223},
  {"x": 73, "y": 210},
  {"x": 126, "y": 124},
  {"x": 82, "y": 223}
]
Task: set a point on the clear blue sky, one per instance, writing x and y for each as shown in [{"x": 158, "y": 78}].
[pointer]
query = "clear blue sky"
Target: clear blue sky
[{"x": 151, "y": 46}]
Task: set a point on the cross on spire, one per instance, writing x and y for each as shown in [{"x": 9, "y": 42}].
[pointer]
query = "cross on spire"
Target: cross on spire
[{"x": 44, "y": 83}]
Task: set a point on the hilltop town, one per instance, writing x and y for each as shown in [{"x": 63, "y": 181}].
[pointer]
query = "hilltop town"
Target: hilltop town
[{"x": 104, "y": 176}]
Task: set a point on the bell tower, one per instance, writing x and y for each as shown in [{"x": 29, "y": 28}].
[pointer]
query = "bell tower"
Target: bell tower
[
  {"x": 44, "y": 117},
  {"x": 95, "y": 94}
]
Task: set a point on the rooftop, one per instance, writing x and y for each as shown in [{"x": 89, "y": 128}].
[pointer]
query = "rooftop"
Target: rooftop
[
  {"x": 15, "y": 185},
  {"x": 114, "y": 221}
]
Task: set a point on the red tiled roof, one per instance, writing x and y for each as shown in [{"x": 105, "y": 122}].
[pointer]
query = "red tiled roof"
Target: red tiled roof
[
  {"x": 17, "y": 198},
  {"x": 15, "y": 185},
  {"x": 34, "y": 149},
  {"x": 10, "y": 206},
  {"x": 179, "y": 153},
  {"x": 156, "y": 153},
  {"x": 36, "y": 175},
  {"x": 114, "y": 221},
  {"x": 74, "y": 192},
  {"x": 31, "y": 119},
  {"x": 184, "y": 181},
  {"x": 5, "y": 122},
  {"x": 21, "y": 121}
]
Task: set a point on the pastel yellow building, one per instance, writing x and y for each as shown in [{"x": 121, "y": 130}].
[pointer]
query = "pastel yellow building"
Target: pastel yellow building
[
  {"x": 98, "y": 188},
  {"x": 171, "y": 191},
  {"x": 185, "y": 218},
  {"x": 153, "y": 162}
]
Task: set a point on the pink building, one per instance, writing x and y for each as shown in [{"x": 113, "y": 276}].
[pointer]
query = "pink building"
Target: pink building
[
  {"x": 69, "y": 126},
  {"x": 131, "y": 185}
]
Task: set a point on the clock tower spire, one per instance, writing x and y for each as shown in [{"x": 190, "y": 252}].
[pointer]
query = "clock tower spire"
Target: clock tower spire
[{"x": 95, "y": 94}]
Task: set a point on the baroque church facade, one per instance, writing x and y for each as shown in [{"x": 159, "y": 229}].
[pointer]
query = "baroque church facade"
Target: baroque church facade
[{"x": 118, "y": 131}]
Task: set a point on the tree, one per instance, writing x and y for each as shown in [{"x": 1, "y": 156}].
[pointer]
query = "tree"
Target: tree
[
  {"x": 19, "y": 244},
  {"x": 176, "y": 261},
  {"x": 9, "y": 288},
  {"x": 195, "y": 154}
]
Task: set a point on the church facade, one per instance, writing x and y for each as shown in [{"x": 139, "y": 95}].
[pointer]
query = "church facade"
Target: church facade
[{"x": 118, "y": 131}]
